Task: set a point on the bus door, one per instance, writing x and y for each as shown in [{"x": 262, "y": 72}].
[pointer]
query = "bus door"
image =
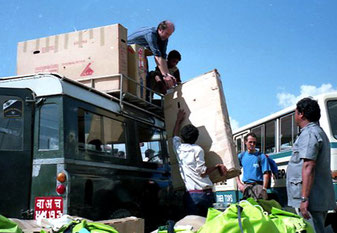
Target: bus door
[{"x": 15, "y": 150}]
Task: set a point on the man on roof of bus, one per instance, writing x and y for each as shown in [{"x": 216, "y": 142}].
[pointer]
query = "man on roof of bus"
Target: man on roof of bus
[
  {"x": 309, "y": 183},
  {"x": 156, "y": 39},
  {"x": 256, "y": 170},
  {"x": 155, "y": 79},
  {"x": 199, "y": 196}
]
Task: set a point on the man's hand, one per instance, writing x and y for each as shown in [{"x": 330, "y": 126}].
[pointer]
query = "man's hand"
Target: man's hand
[
  {"x": 170, "y": 81},
  {"x": 241, "y": 187},
  {"x": 304, "y": 209},
  {"x": 222, "y": 169}
]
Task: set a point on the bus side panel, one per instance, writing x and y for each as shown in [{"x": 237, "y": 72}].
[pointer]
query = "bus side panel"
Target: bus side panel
[{"x": 43, "y": 180}]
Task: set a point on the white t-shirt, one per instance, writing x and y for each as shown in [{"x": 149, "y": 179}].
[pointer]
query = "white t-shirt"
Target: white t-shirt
[{"x": 191, "y": 165}]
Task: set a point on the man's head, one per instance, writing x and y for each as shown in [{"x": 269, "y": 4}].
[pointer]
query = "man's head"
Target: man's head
[
  {"x": 307, "y": 110},
  {"x": 149, "y": 153},
  {"x": 165, "y": 29},
  {"x": 173, "y": 58},
  {"x": 250, "y": 142},
  {"x": 189, "y": 134}
]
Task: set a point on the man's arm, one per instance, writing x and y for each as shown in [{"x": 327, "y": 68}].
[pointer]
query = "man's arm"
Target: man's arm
[
  {"x": 308, "y": 173},
  {"x": 220, "y": 167},
  {"x": 180, "y": 118},
  {"x": 169, "y": 80},
  {"x": 241, "y": 186},
  {"x": 265, "y": 170},
  {"x": 266, "y": 179}
]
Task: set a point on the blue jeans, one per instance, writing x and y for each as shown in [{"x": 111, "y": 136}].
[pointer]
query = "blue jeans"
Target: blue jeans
[{"x": 197, "y": 203}]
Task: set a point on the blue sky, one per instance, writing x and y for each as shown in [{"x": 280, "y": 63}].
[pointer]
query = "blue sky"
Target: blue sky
[{"x": 269, "y": 53}]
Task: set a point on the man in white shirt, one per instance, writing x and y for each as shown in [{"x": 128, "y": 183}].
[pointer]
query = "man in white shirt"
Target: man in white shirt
[{"x": 199, "y": 196}]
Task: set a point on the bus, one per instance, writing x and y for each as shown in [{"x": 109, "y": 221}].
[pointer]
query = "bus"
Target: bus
[
  {"x": 276, "y": 135},
  {"x": 66, "y": 148}
]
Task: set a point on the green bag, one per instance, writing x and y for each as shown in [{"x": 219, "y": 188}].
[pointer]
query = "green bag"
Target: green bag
[
  {"x": 249, "y": 217},
  {"x": 253, "y": 219},
  {"x": 7, "y": 225},
  {"x": 289, "y": 222},
  {"x": 92, "y": 227}
]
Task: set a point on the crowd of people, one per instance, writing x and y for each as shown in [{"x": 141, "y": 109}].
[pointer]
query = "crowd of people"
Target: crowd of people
[{"x": 308, "y": 182}]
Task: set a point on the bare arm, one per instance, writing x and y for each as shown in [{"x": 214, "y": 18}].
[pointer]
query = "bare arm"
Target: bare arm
[
  {"x": 162, "y": 64},
  {"x": 308, "y": 173},
  {"x": 180, "y": 118},
  {"x": 241, "y": 186},
  {"x": 266, "y": 179},
  {"x": 220, "y": 167},
  {"x": 169, "y": 80}
]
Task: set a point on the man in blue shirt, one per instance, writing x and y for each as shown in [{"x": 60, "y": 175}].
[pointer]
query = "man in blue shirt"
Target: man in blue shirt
[
  {"x": 256, "y": 170},
  {"x": 156, "y": 40}
]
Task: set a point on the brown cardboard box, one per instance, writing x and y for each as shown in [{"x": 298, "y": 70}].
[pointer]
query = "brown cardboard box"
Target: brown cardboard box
[
  {"x": 126, "y": 225},
  {"x": 77, "y": 55},
  {"x": 204, "y": 102},
  {"x": 30, "y": 226},
  {"x": 137, "y": 69}
]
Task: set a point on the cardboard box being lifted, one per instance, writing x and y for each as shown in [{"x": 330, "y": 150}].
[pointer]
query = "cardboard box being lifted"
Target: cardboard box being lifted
[
  {"x": 203, "y": 100},
  {"x": 86, "y": 56}
]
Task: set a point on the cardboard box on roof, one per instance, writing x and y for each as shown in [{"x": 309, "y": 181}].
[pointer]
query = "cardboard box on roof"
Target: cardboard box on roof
[
  {"x": 203, "y": 100},
  {"x": 81, "y": 55},
  {"x": 137, "y": 69}
]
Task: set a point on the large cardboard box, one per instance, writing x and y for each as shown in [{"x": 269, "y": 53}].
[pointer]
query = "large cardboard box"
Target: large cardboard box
[
  {"x": 126, "y": 225},
  {"x": 204, "y": 102},
  {"x": 137, "y": 69},
  {"x": 78, "y": 55}
]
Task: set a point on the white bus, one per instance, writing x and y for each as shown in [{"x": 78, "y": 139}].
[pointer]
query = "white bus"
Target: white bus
[{"x": 276, "y": 134}]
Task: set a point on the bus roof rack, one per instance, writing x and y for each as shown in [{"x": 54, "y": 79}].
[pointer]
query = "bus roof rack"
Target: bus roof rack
[{"x": 127, "y": 97}]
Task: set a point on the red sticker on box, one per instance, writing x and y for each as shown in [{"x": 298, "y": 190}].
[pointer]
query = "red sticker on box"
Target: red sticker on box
[{"x": 87, "y": 71}]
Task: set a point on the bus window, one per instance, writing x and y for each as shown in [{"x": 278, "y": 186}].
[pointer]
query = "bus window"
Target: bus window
[
  {"x": 90, "y": 135},
  {"x": 150, "y": 144},
  {"x": 259, "y": 140},
  {"x": 238, "y": 144},
  {"x": 49, "y": 127},
  {"x": 332, "y": 110},
  {"x": 287, "y": 132},
  {"x": 11, "y": 123},
  {"x": 270, "y": 138},
  {"x": 114, "y": 138}
]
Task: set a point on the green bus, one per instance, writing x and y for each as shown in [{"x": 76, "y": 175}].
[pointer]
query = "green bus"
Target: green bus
[{"x": 97, "y": 156}]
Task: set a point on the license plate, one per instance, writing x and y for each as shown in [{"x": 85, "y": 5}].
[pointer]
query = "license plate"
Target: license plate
[{"x": 48, "y": 207}]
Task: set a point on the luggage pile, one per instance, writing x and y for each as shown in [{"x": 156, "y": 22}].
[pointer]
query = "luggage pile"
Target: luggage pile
[
  {"x": 68, "y": 224},
  {"x": 246, "y": 216}
]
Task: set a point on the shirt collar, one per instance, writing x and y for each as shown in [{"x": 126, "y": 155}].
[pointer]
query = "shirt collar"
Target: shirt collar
[{"x": 309, "y": 125}]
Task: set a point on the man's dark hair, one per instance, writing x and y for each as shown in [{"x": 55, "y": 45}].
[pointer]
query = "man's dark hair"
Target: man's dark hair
[
  {"x": 309, "y": 108},
  {"x": 250, "y": 134},
  {"x": 189, "y": 134},
  {"x": 164, "y": 25},
  {"x": 174, "y": 54}
]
